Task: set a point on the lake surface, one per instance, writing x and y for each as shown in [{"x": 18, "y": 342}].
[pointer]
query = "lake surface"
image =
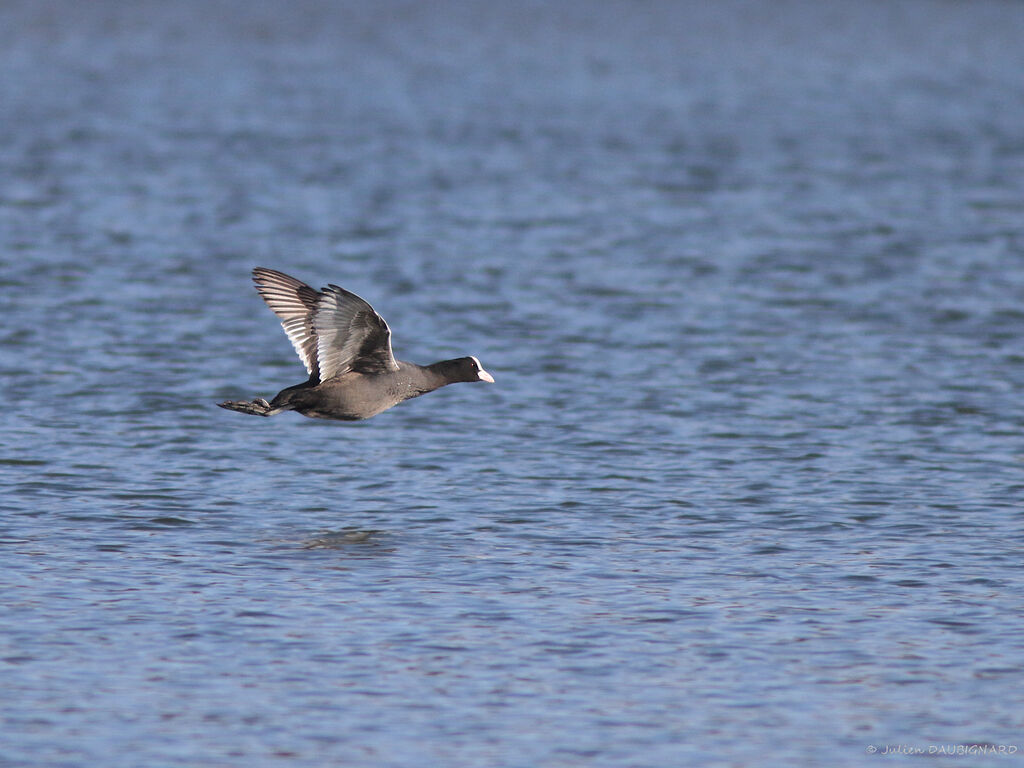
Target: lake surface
[{"x": 748, "y": 491}]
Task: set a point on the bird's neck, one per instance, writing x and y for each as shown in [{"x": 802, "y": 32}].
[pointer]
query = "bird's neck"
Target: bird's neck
[
  {"x": 444, "y": 372},
  {"x": 427, "y": 378}
]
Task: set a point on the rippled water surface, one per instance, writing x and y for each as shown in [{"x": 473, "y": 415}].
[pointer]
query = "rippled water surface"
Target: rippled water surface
[{"x": 749, "y": 487}]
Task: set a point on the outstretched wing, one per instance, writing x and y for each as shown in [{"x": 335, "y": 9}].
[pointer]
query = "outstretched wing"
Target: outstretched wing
[
  {"x": 350, "y": 335},
  {"x": 294, "y": 303}
]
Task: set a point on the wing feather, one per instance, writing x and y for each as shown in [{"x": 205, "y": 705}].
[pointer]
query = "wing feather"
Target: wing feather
[
  {"x": 351, "y": 335},
  {"x": 334, "y": 331},
  {"x": 294, "y": 303}
]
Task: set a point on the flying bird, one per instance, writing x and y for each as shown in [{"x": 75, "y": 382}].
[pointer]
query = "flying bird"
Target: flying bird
[{"x": 346, "y": 348}]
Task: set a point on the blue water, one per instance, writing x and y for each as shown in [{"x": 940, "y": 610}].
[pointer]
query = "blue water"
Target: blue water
[{"x": 748, "y": 490}]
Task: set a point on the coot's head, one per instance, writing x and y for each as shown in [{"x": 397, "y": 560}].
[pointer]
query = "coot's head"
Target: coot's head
[{"x": 469, "y": 369}]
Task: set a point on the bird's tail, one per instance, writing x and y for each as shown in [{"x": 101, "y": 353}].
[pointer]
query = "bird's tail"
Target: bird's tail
[{"x": 257, "y": 407}]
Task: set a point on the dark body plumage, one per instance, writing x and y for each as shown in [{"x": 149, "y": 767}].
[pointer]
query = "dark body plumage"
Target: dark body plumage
[{"x": 346, "y": 348}]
